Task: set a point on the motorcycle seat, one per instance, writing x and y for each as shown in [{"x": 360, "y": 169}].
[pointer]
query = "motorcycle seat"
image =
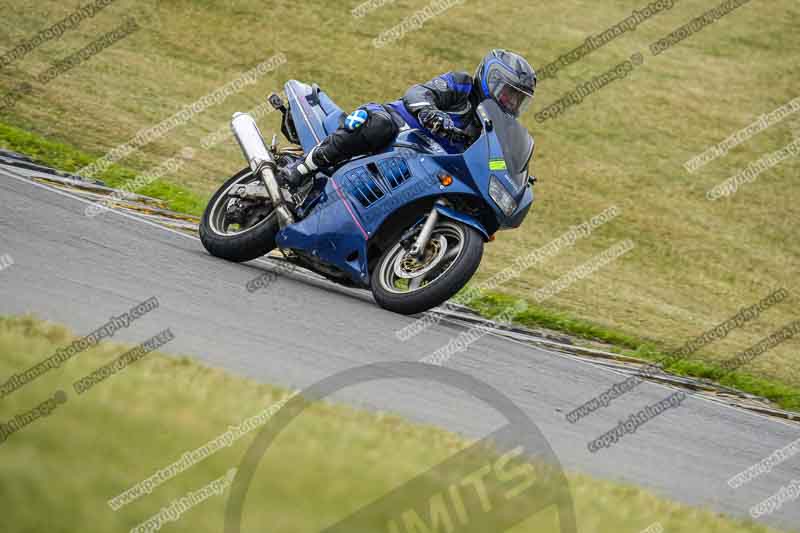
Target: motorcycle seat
[{"x": 334, "y": 121}]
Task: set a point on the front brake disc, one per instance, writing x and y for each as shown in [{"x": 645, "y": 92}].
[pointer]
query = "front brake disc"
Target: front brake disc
[{"x": 408, "y": 267}]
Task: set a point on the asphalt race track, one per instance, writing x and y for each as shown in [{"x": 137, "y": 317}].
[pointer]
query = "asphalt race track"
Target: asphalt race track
[{"x": 79, "y": 271}]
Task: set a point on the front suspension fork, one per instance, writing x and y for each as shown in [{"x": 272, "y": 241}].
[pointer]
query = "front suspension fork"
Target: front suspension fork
[{"x": 421, "y": 243}]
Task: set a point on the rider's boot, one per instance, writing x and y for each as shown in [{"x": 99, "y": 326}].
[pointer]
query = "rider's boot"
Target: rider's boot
[{"x": 296, "y": 174}]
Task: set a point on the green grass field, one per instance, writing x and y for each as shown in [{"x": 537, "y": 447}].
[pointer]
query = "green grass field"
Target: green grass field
[
  {"x": 60, "y": 471},
  {"x": 696, "y": 262}
]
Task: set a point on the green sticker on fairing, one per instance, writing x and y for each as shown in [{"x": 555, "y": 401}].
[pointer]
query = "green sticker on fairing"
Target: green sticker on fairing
[{"x": 497, "y": 164}]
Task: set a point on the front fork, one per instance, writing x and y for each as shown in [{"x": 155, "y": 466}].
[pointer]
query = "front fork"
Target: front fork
[{"x": 421, "y": 243}]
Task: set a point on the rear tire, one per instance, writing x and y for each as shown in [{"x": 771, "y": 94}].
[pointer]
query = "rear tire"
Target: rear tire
[
  {"x": 245, "y": 245},
  {"x": 454, "y": 277}
]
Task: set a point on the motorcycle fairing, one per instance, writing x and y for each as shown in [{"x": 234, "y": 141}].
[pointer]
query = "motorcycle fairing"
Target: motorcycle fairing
[
  {"x": 314, "y": 114},
  {"x": 365, "y": 191}
]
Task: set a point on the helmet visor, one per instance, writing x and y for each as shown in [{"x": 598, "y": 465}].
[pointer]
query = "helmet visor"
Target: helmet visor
[{"x": 512, "y": 97}]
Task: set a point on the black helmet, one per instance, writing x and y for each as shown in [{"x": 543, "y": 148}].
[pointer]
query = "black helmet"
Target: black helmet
[{"x": 508, "y": 79}]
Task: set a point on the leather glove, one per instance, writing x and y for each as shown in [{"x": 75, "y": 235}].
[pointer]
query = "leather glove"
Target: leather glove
[{"x": 435, "y": 120}]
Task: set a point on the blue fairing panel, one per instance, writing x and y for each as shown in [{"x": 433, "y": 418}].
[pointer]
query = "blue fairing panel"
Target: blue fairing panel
[
  {"x": 359, "y": 198},
  {"x": 465, "y": 219},
  {"x": 333, "y": 233},
  {"x": 314, "y": 113}
]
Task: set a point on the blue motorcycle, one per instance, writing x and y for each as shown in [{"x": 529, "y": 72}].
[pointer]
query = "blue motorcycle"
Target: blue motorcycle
[{"x": 408, "y": 223}]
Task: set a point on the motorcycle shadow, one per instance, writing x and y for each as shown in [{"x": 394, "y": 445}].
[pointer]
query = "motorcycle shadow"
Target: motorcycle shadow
[{"x": 274, "y": 269}]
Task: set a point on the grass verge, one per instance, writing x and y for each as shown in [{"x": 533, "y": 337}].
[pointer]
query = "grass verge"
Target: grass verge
[
  {"x": 64, "y": 157},
  {"x": 59, "y": 471}
]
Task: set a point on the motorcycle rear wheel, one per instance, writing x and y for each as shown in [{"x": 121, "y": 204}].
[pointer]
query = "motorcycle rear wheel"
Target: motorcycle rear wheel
[
  {"x": 243, "y": 240},
  {"x": 406, "y": 285}
]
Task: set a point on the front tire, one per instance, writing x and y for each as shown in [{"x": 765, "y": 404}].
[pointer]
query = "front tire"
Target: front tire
[
  {"x": 408, "y": 286},
  {"x": 245, "y": 240}
]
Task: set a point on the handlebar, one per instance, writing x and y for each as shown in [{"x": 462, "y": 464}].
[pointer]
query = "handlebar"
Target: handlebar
[{"x": 456, "y": 135}]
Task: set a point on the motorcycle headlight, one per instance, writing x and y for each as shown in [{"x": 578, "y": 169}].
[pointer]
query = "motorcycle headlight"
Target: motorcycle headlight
[{"x": 501, "y": 197}]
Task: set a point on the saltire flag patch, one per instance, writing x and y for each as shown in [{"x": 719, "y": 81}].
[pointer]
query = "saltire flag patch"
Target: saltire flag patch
[{"x": 356, "y": 119}]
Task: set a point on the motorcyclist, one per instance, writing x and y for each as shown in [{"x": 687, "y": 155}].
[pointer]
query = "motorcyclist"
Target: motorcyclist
[{"x": 441, "y": 105}]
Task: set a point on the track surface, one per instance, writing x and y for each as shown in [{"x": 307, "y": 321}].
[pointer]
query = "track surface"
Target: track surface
[{"x": 78, "y": 271}]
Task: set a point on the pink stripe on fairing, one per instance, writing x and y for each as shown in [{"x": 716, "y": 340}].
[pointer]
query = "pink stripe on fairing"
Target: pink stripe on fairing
[{"x": 349, "y": 210}]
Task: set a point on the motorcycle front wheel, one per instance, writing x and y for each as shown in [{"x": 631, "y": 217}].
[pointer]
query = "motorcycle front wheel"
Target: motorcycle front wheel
[{"x": 408, "y": 285}]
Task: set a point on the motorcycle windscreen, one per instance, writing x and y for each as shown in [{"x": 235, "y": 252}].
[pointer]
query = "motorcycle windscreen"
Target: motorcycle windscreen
[{"x": 514, "y": 139}]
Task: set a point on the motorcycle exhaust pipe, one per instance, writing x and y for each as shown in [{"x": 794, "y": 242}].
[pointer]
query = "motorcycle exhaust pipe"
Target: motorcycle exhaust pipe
[{"x": 261, "y": 162}]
